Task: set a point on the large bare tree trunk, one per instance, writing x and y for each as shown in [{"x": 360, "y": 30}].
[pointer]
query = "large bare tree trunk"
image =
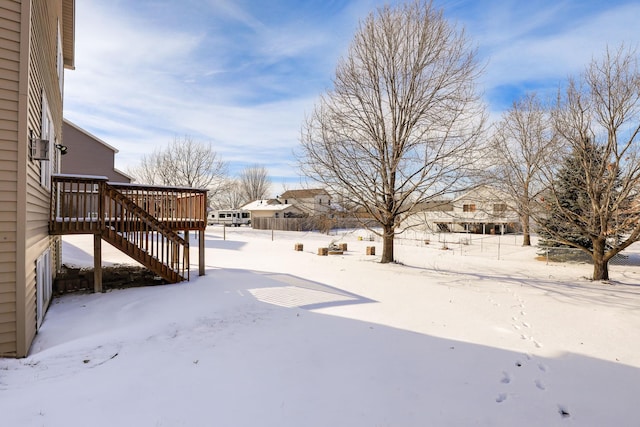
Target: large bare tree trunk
[
  {"x": 600, "y": 266},
  {"x": 387, "y": 245},
  {"x": 526, "y": 232}
]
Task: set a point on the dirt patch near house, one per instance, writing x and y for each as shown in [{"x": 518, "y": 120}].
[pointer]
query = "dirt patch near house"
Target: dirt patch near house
[{"x": 72, "y": 279}]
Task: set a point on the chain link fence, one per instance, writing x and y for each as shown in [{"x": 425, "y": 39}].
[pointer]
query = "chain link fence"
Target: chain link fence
[
  {"x": 484, "y": 245},
  {"x": 573, "y": 255},
  {"x": 490, "y": 246},
  {"x": 503, "y": 246}
]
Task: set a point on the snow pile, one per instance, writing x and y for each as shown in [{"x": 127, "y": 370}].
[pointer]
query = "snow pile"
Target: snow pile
[{"x": 275, "y": 337}]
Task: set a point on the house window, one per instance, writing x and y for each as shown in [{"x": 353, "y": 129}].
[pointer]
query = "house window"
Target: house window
[
  {"x": 43, "y": 285},
  {"x": 499, "y": 208},
  {"x": 60, "y": 61},
  {"x": 469, "y": 208},
  {"x": 46, "y": 132}
]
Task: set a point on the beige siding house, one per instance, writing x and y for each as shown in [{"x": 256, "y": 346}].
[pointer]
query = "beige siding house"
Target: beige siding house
[
  {"x": 270, "y": 208},
  {"x": 312, "y": 201},
  {"x": 36, "y": 44},
  {"x": 88, "y": 155},
  {"x": 484, "y": 210}
]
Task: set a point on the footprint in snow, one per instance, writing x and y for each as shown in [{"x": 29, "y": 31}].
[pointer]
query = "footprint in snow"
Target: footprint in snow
[
  {"x": 540, "y": 385},
  {"x": 501, "y": 397},
  {"x": 564, "y": 412},
  {"x": 506, "y": 378}
]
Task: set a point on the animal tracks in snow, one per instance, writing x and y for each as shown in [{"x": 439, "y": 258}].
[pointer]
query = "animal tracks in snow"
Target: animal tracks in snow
[
  {"x": 501, "y": 397},
  {"x": 518, "y": 322},
  {"x": 525, "y": 371}
]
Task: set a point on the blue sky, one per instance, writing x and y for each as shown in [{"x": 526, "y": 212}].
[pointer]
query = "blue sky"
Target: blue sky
[{"x": 242, "y": 74}]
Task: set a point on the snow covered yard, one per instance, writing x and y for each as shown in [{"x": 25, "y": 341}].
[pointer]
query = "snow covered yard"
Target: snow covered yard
[{"x": 274, "y": 337}]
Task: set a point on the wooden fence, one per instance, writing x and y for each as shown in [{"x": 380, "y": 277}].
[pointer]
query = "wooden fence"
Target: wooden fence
[{"x": 318, "y": 223}]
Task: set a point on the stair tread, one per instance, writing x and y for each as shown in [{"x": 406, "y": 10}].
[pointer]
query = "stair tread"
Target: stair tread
[{"x": 121, "y": 242}]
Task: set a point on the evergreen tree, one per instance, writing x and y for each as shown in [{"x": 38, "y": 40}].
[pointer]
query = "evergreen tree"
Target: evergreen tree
[
  {"x": 570, "y": 219},
  {"x": 593, "y": 205},
  {"x": 566, "y": 206}
]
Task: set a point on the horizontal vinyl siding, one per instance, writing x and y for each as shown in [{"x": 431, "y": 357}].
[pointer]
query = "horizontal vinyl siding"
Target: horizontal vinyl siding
[
  {"x": 8, "y": 180},
  {"x": 4, "y": 317},
  {"x": 8, "y": 325},
  {"x": 7, "y": 258},
  {"x": 7, "y": 344},
  {"x": 9, "y": 94},
  {"x": 10, "y": 29},
  {"x": 6, "y": 286},
  {"x": 43, "y": 77}
]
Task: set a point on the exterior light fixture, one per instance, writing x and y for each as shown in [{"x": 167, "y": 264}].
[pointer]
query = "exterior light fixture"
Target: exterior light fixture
[{"x": 63, "y": 149}]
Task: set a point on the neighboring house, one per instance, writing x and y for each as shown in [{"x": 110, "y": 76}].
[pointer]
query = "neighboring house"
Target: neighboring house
[
  {"x": 36, "y": 45},
  {"x": 270, "y": 208},
  {"x": 482, "y": 210},
  {"x": 314, "y": 201},
  {"x": 88, "y": 154}
]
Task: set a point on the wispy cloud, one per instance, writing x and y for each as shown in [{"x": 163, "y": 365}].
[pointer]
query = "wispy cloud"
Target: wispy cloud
[
  {"x": 537, "y": 45},
  {"x": 242, "y": 74}
]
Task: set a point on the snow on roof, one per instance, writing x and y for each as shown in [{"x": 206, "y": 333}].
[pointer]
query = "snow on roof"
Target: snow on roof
[
  {"x": 265, "y": 205},
  {"x": 304, "y": 194},
  {"x": 75, "y": 175}
]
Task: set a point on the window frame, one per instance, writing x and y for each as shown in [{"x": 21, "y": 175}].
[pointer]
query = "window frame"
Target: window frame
[
  {"x": 469, "y": 207},
  {"x": 44, "y": 285},
  {"x": 47, "y": 132}
]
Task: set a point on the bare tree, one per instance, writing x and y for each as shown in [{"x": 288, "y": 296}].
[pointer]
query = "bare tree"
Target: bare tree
[
  {"x": 598, "y": 116},
  {"x": 399, "y": 125},
  {"x": 523, "y": 142},
  {"x": 146, "y": 172},
  {"x": 254, "y": 183},
  {"x": 183, "y": 163},
  {"x": 230, "y": 197}
]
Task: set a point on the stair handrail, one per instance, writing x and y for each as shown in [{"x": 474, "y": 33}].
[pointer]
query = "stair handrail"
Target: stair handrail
[{"x": 126, "y": 219}]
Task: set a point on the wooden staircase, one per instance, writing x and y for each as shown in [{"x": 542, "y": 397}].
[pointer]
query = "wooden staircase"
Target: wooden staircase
[
  {"x": 144, "y": 238},
  {"x": 120, "y": 215}
]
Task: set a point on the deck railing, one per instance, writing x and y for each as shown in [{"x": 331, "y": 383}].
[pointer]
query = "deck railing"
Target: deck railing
[
  {"x": 179, "y": 208},
  {"x": 142, "y": 221},
  {"x": 139, "y": 234},
  {"x": 76, "y": 204}
]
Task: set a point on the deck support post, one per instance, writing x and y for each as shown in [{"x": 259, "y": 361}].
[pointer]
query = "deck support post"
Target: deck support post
[
  {"x": 201, "y": 252},
  {"x": 97, "y": 263},
  {"x": 188, "y": 266}
]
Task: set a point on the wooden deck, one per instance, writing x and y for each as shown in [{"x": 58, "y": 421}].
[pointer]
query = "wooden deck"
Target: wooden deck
[{"x": 143, "y": 221}]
